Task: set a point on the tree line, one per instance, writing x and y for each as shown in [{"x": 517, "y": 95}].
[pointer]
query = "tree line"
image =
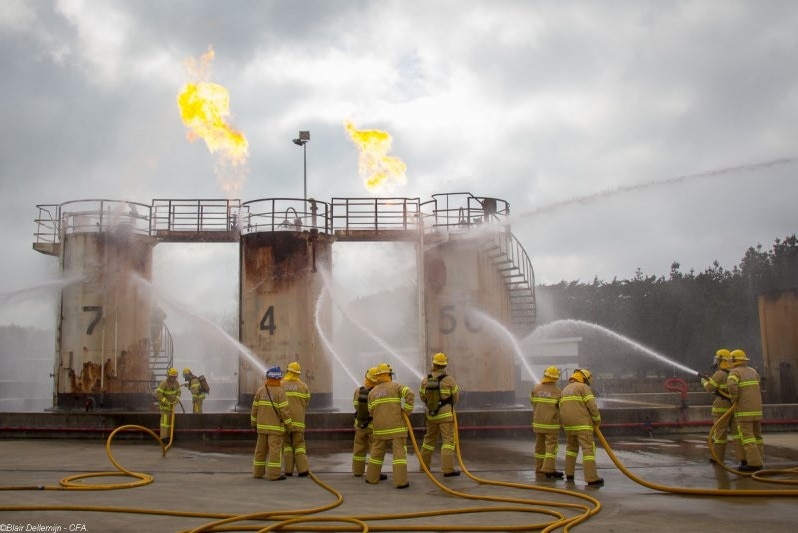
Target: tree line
[{"x": 684, "y": 316}]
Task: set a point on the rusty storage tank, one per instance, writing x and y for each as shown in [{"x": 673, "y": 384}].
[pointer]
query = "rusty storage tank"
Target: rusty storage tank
[
  {"x": 103, "y": 330},
  {"x": 778, "y": 322},
  {"x": 479, "y": 289},
  {"x": 284, "y": 243}
]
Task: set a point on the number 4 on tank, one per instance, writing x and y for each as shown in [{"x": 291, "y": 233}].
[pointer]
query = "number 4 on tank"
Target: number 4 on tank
[{"x": 267, "y": 322}]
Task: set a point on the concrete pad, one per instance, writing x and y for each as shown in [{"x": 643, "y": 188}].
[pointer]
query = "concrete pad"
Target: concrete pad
[{"x": 206, "y": 479}]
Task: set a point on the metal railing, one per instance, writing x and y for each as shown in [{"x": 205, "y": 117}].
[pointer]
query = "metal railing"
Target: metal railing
[
  {"x": 90, "y": 216},
  {"x": 194, "y": 216},
  {"x": 462, "y": 210},
  {"x": 376, "y": 214},
  {"x": 284, "y": 214}
]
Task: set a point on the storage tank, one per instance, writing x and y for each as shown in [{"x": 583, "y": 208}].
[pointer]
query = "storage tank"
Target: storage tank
[
  {"x": 284, "y": 245},
  {"x": 103, "y": 342}
]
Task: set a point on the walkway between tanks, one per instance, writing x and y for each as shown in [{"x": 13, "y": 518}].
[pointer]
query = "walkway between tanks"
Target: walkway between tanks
[{"x": 215, "y": 478}]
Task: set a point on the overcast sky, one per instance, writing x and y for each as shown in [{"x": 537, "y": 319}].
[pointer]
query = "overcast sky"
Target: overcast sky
[{"x": 677, "y": 122}]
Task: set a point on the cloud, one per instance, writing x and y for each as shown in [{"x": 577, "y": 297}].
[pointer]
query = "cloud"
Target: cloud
[{"x": 536, "y": 103}]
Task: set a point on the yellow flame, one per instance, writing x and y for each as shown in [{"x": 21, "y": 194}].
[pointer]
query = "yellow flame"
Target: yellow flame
[
  {"x": 205, "y": 109},
  {"x": 378, "y": 170}
]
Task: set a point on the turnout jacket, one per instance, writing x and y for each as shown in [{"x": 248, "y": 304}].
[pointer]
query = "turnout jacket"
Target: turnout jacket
[
  {"x": 387, "y": 400},
  {"x": 265, "y": 411},
  {"x": 545, "y": 399},
  {"x": 298, "y": 398},
  {"x": 717, "y": 384},
  {"x": 578, "y": 409},
  {"x": 167, "y": 394},
  {"x": 743, "y": 383},
  {"x": 448, "y": 389}
]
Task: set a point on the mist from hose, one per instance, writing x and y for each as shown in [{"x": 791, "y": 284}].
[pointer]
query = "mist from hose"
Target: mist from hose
[
  {"x": 498, "y": 326},
  {"x": 326, "y": 341},
  {"x": 609, "y": 193},
  {"x": 542, "y": 330},
  {"x": 380, "y": 342},
  {"x": 174, "y": 304}
]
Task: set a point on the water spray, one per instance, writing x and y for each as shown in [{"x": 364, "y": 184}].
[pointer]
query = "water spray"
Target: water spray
[
  {"x": 380, "y": 342},
  {"x": 327, "y": 344},
  {"x": 519, "y": 353},
  {"x": 242, "y": 350},
  {"x": 609, "y": 193},
  {"x": 617, "y": 336}
]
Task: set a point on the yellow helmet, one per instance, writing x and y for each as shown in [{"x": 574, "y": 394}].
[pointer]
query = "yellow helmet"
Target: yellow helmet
[
  {"x": 371, "y": 374},
  {"x": 171, "y": 372},
  {"x": 738, "y": 355},
  {"x": 294, "y": 367},
  {"x": 552, "y": 373},
  {"x": 186, "y": 371},
  {"x": 582, "y": 375},
  {"x": 440, "y": 359},
  {"x": 723, "y": 353},
  {"x": 382, "y": 369}
]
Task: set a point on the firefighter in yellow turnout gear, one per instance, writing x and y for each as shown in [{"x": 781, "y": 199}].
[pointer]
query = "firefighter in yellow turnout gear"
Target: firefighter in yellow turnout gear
[
  {"x": 197, "y": 394},
  {"x": 579, "y": 414},
  {"x": 167, "y": 394},
  {"x": 545, "y": 399},
  {"x": 440, "y": 393},
  {"x": 744, "y": 389},
  {"x": 272, "y": 418},
  {"x": 364, "y": 427},
  {"x": 387, "y": 401},
  {"x": 294, "y": 452},
  {"x": 716, "y": 383}
]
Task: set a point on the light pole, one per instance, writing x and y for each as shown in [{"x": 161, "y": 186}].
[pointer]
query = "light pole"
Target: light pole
[{"x": 302, "y": 140}]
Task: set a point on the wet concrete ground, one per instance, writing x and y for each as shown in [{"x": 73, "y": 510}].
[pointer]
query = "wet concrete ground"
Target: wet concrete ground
[{"x": 215, "y": 478}]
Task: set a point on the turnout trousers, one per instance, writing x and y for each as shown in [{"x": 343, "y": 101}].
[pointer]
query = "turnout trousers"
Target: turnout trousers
[
  {"x": 445, "y": 431},
  {"x": 377, "y": 456},
  {"x": 574, "y": 440},
  {"x": 268, "y": 451}
]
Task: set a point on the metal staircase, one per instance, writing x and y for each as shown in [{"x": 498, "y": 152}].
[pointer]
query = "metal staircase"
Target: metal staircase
[
  {"x": 463, "y": 212},
  {"x": 161, "y": 359},
  {"x": 512, "y": 262}
]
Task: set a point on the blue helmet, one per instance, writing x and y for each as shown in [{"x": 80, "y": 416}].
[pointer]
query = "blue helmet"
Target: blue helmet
[{"x": 274, "y": 373}]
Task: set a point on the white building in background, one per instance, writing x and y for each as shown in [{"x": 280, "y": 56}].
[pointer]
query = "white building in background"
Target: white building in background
[{"x": 541, "y": 354}]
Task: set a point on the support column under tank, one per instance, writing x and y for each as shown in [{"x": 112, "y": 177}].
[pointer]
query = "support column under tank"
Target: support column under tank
[
  {"x": 461, "y": 284},
  {"x": 103, "y": 336},
  {"x": 280, "y": 294}
]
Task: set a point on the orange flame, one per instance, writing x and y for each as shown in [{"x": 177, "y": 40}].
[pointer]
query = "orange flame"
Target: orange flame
[
  {"x": 378, "y": 170},
  {"x": 205, "y": 108}
]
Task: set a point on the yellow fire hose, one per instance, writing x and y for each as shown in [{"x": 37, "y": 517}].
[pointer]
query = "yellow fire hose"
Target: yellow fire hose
[
  {"x": 290, "y": 520},
  {"x": 760, "y": 475}
]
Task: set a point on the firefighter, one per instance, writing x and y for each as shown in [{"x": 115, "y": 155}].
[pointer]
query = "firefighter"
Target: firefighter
[
  {"x": 545, "y": 399},
  {"x": 716, "y": 384},
  {"x": 440, "y": 394},
  {"x": 197, "y": 394},
  {"x": 364, "y": 427},
  {"x": 744, "y": 390},
  {"x": 580, "y": 415},
  {"x": 272, "y": 418},
  {"x": 294, "y": 452},
  {"x": 167, "y": 394},
  {"x": 387, "y": 401}
]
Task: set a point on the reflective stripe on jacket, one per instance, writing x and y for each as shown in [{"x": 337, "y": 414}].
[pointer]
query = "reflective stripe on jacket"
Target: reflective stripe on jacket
[
  {"x": 578, "y": 409},
  {"x": 448, "y": 389},
  {"x": 265, "y": 406},
  {"x": 386, "y": 402},
  {"x": 545, "y": 399},
  {"x": 744, "y": 389},
  {"x": 298, "y": 398}
]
